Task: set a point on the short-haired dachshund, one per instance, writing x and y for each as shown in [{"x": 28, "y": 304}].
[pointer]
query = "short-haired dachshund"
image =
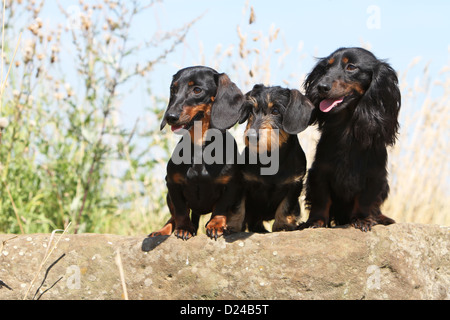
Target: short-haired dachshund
[
  {"x": 274, "y": 117},
  {"x": 202, "y": 95}
]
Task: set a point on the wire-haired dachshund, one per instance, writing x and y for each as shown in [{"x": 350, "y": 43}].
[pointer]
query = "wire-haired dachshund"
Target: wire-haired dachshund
[
  {"x": 274, "y": 117},
  {"x": 201, "y": 95},
  {"x": 357, "y": 101}
]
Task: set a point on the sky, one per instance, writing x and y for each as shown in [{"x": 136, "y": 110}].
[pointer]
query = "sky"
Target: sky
[{"x": 399, "y": 31}]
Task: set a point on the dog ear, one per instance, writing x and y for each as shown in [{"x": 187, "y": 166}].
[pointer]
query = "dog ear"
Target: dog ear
[
  {"x": 244, "y": 112},
  {"x": 298, "y": 113},
  {"x": 376, "y": 114},
  {"x": 247, "y": 106},
  {"x": 163, "y": 122},
  {"x": 227, "y": 103}
]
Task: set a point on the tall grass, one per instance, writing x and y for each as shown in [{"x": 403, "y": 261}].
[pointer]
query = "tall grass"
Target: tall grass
[
  {"x": 65, "y": 156},
  {"x": 62, "y": 146}
]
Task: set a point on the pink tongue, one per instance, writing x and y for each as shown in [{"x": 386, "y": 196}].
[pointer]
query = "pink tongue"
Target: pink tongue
[
  {"x": 176, "y": 128},
  {"x": 328, "y": 104}
]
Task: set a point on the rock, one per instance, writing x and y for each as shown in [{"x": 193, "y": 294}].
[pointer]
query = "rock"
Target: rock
[{"x": 400, "y": 261}]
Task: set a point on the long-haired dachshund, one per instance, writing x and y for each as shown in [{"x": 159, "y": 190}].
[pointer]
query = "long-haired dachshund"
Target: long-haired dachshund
[
  {"x": 357, "y": 102},
  {"x": 274, "y": 117},
  {"x": 201, "y": 94}
]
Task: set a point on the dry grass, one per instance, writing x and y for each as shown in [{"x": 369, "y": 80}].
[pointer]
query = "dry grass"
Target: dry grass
[
  {"x": 65, "y": 157},
  {"x": 419, "y": 163}
]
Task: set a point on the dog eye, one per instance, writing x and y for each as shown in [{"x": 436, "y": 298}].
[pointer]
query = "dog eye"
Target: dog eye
[
  {"x": 275, "y": 111},
  {"x": 351, "y": 67},
  {"x": 197, "y": 90}
]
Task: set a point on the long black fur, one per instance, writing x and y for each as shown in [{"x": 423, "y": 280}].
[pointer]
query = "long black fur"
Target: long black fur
[{"x": 347, "y": 182}]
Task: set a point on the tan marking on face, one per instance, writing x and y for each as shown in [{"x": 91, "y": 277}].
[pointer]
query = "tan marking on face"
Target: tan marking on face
[
  {"x": 342, "y": 88},
  {"x": 190, "y": 83},
  {"x": 345, "y": 60},
  {"x": 189, "y": 112},
  {"x": 223, "y": 179},
  {"x": 269, "y": 138},
  {"x": 331, "y": 61},
  {"x": 178, "y": 178}
]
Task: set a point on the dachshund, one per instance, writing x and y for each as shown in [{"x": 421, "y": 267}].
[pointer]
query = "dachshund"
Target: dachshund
[
  {"x": 357, "y": 101},
  {"x": 274, "y": 117},
  {"x": 201, "y": 99}
]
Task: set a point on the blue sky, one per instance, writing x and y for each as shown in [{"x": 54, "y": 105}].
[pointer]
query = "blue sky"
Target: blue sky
[
  {"x": 398, "y": 31},
  {"x": 405, "y": 29}
]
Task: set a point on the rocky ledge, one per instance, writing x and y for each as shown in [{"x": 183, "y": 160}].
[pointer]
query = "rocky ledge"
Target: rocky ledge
[{"x": 400, "y": 261}]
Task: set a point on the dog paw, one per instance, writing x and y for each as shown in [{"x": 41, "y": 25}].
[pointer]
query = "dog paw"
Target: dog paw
[
  {"x": 283, "y": 227},
  {"x": 312, "y": 224},
  {"x": 184, "y": 234},
  {"x": 216, "y": 227},
  {"x": 364, "y": 224},
  {"x": 165, "y": 231}
]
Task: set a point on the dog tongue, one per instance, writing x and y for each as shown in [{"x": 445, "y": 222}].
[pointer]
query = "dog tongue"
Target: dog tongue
[
  {"x": 175, "y": 129},
  {"x": 328, "y": 104}
]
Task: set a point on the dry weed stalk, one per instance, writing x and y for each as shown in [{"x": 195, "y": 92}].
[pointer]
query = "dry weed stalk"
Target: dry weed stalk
[
  {"x": 119, "y": 264},
  {"x": 47, "y": 255}
]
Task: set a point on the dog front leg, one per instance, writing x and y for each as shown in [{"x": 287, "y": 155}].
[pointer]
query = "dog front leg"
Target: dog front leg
[
  {"x": 184, "y": 228},
  {"x": 319, "y": 200},
  {"x": 228, "y": 213}
]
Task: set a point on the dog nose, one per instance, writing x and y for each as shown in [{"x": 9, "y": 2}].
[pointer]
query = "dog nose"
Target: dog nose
[
  {"x": 323, "y": 87},
  {"x": 172, "y": 117}
]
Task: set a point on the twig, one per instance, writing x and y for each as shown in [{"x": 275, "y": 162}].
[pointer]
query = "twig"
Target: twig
[
  {"x": 122, "y": 274},
  {"x": 4, "y": 285},
  {"x": 45, "y": 278},
  {"x": 2, "y": 244},
  {"x": 49, "y": 288},
  {"x": 48, "y": 253}
]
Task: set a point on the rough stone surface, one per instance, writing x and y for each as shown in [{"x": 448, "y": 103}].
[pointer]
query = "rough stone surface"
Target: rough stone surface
[{"x": 401, "y": 261}]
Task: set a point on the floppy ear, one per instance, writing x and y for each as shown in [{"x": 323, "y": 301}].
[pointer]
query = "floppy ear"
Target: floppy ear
[
  {"x": 310, "y": 86},
  {"x": 227, "y": 103},
  {"x": 163, "y": 123},
  {"x": 375, "y": 117},
  {"x": 246, "y": 107},
  {"x": 244, "y": 112},
  {"x": 298, "y": 113}
]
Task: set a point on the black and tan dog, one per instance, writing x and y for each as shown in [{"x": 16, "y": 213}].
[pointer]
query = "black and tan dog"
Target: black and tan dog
[
  {"x": 357, "y": 101},
  {"x": 275, "y": 116},
  {"x": 201, "y": 95}
]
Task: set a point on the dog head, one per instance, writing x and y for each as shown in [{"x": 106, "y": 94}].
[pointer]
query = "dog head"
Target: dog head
[
  {"x": 272, "y": 114},
  {"x": 353, "y": 79},
  {"x": 202, "y": 94}
]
